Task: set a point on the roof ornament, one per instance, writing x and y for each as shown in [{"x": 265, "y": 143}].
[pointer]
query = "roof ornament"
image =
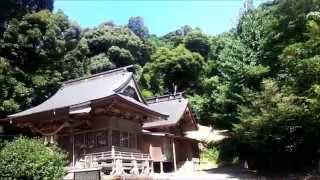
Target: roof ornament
[{"x": 175, "y": 87}]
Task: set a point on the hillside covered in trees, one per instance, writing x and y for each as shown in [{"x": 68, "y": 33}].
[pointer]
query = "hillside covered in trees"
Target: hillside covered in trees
[{"x": 260, "y": 80}]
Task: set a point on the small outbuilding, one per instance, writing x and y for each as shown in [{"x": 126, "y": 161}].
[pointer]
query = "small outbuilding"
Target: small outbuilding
[{"x": 166, "y": 140}]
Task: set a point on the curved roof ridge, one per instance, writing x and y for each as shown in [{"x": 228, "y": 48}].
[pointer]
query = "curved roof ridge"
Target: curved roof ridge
[
  {"x": 81, "y": 91},
  {"x": 166, "y": 97},
  {"x": 101, "y": 74}
]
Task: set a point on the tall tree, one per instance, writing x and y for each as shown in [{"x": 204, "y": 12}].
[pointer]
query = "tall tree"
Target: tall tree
[
  {"x": 17, "y": 8},
  {"x": 34, "y": 57},
  {"x": 167, "y": 68},
  {"x": 110, "y": 46},
  {"x": 136, "y": 24},
  {"x": 196, "y": 41},
  {"x": 280, "y": 120},
  {"x": 176, "y": 37}
]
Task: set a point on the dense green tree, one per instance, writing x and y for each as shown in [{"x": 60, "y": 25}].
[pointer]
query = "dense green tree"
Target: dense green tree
[
  {"x": 216, "y": 104},
  {"x": 260, "y": 80},
  {"x": 17, "y": 8},
  {"x": 178, "y": 67},
  {"x": 269, "y": 29},
  {"x": 230, "y": 67},
  {"x": 281, "y": 121},
  {"x": 278, "y": 119},
  {"x": 34, "y": 52},
  {"x": 14, "y": 92},
  {"x": 107, "y": 47},
  {"x": 198, "y": 42},
  {"x": 26, "y": 158},
  {"x": 156, "y": 42},
  {"x": 43, "y": 49},
  {"x": 136, "y": 24},
  {"x": 278, "y": 124},
  {"x": 176, "y": 37},
  {"x": 256, "y": 30}
]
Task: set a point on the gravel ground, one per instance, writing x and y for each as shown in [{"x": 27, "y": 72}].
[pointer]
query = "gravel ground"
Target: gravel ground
[
  {"x": 194, "y": 177},
  {"x": 211, "y": 174},
  {"x": 233, "y": 174}
]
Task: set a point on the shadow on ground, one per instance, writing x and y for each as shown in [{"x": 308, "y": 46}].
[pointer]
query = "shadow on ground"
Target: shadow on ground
[
  {"x": 235, "y": 172},
  {"x": 241, "y": 173}
]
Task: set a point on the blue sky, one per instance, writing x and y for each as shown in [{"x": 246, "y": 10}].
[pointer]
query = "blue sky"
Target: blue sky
[{"x": 160, "y": 16}]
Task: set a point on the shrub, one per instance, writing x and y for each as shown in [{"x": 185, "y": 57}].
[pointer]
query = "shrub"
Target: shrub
[
  {"x": 26, "y": 158},
  {"x": 210, "y": 154}
]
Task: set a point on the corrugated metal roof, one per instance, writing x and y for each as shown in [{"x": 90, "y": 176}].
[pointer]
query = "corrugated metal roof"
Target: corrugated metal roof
[{"x": 174, "y": 106}]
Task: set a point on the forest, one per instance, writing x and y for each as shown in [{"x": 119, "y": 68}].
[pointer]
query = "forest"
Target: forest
[{"x": 260, "y": 80}]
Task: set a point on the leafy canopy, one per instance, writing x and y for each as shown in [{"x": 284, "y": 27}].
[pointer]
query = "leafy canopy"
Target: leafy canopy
[
  {"x": 26, "y": 158},
  {"x": 167, "y": 68}
]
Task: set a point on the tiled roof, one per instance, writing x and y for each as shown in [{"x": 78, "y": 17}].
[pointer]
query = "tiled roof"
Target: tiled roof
[
  {"x": 84, "y": 90},
  {"x": 173, "y": 105}
]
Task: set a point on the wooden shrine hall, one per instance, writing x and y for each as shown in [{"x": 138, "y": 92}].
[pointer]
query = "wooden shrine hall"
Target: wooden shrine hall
[{"x": 103, "y": 122}]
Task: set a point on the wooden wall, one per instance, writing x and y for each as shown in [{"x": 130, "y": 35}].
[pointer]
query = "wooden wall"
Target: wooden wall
[
  {"x": 102, "y": 124},
  {"x": 158, "y": 141},
  {"x": 185, "y": 149}
]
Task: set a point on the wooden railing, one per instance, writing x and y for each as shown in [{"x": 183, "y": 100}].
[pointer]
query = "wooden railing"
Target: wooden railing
[
  {"x": 118, "y": 161},
  {"x": 119, "y": 155}
]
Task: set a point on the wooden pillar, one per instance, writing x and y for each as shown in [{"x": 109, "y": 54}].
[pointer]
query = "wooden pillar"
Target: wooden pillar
[
  {"x": 51, "y": 139},
  {"x": 110, "y": 137},
  {"x": 174, "y": 155},
  {"x": 113, "y": 154},
  {"x": 161, "y": 166},
  {"x": 150, "y": 157},
  {"x": 152, "y": 167},
  {"x": 136, "y": 140},
  {"x": 73, "y": 153},
  {"x": 45, "y": 142}
]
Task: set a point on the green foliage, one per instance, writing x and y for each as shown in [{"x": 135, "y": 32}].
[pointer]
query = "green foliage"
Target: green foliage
[
  {"x": 146, "y": 94},
  {"x": 109, "y": 46},
  {"x": 136, "y": 24},
  {"x": 172, "y": 67},
  {"x": 215, "y": 105},
  {"x": 279, "y": 120},
  {"x": 43, "y": 49},
  {"x": 16, "y": 9},
  {"x": 210, "y": 154},
  {"x": 34, "y": 59},
  {"x": 30, "y": 159},
  {"x": 278, "y": 124},
  {"x": 260, "y": 80},
  {"x": 13, "y": 92},
  {"x": 198, "y": 42},
  {"x": 157, "y": 42},
  {"x": 176, "y": 37},
  {"x": 229, "y": 151},
  {"x": 256, "y": 30},
  {"x": 229, "y": 68}
]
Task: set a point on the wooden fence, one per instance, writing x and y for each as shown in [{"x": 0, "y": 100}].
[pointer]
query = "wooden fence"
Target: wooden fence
[{"x": 119, "y": 162}]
